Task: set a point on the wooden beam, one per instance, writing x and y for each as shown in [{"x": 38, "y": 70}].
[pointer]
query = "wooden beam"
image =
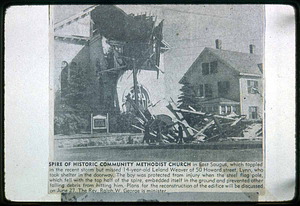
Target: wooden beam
[
  {"x": 204, "y": 128},
  {"x": 187, "y": 125},
  {"x": 137, "y": 109},
  {"x": 153, "y": 134},
  {"x": 237, "y": 121},
  {"x": 179, "y": 116},
  {"x": 192, "y": 108},
  {"x": 113, "y": 69},
  {"x": 218, "y": 124},
  {"x": 140, "y": 120},
  {"x": 134, "y": 72},
  {"x": 204, "y": 114}
]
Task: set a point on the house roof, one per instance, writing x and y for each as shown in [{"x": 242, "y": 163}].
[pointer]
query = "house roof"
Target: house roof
[
  {"x": 63, "y": 18},
  {"x": 218, "y": 100},
  {"x": 242, "y": 63}
]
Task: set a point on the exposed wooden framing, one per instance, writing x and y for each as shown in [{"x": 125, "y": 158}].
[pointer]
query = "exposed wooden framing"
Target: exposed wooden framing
[
  {"x": 217, "y": 122},
  {"x": 204, "y": 128},
  {"x": 187, "y": 125},
  {"x": 192, "y": 112},
  {"x": 226, "y": 123},
  {"x": 192, "y": 108},
  {"x": 237, "y": 121},
  {"x": 140, "y": 120},
  {"x": 134, "y": 72},
  {"x": 213, "y": 137},
  {"x": 166, "y": 47},
  {"x": 153, "y": 133},
  {"x": 179, "y": 116},
  {"x": 159, "y": 69},
  {"x": 171, "y": 125},
  {"x": 115, "y": 43},
  {"x": 137, "y": 109},
  {"x": 75, "y": 39},
  {"x": 113, "y": 69}
]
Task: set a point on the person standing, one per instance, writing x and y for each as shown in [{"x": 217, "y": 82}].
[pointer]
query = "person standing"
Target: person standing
[
  {"x": 159, "y": 138},
  {"x": 147, "y": 134},
  {"x": 180, "y": 135}
]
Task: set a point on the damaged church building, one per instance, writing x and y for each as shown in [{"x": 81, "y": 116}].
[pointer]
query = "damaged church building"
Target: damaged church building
[
  {"x": 227, "y": 82},
  {"x": 103, "y": 57}
]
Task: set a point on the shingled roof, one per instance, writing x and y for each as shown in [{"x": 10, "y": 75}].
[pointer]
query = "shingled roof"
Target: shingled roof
[{"x": 242, "y": 63}]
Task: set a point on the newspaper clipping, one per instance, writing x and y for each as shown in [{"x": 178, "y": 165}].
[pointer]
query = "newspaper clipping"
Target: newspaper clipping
[{"x": 157, "y": 102}]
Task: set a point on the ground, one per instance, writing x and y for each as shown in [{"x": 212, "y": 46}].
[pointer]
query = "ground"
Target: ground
[{"x": 217, "y": 152}]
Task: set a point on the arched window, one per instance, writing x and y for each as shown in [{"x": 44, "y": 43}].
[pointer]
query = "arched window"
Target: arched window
[{"x": 143, "y": 98}]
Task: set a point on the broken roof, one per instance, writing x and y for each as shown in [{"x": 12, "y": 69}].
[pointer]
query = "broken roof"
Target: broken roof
[
  {"x": 242, "y": 63},
  {"x": 115, "y": 24}
]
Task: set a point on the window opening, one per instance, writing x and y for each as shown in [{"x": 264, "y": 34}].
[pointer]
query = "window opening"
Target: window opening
[
  {"x": 252, "y": 86},
  {"x": 208, "y": 90}
]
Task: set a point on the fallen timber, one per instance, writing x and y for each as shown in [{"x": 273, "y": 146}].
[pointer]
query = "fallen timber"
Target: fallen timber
[
  {"x": 237, "y": 121},
  {"x": 217, "y": 127},
  {"x": 187, "y": 125},
  {"x": 213, "y": 127},
  {"x": 203, "y": 114},
  {"x": 204, "y": 128},
  {"x": 179, "y": 117},
  {"x": 142, "y": 118},
  {"x": 153, "y": 133}
]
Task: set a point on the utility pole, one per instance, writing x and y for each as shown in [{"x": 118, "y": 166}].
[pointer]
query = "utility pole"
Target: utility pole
[{"x": 134, "y": 72}]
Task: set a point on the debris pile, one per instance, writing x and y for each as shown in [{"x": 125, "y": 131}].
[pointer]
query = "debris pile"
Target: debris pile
[{"x": 204, "y": 127}]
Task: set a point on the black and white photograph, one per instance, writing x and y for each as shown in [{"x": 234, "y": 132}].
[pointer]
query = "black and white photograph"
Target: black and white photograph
[
  {"x": 149, "y": 103},
  {"x": 158, "y": 82}
]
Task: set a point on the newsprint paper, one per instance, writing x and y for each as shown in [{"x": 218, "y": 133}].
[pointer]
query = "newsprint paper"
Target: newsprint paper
[{"x": 157, "y": 102}]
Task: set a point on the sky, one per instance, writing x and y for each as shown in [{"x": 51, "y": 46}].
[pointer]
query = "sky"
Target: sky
[{"x": 188, "y": 29}]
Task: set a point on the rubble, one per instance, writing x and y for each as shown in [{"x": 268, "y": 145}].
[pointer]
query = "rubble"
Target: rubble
[{"x": 211, "y": 127}]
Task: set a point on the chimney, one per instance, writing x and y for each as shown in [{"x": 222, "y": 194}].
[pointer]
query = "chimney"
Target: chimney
[
  {"x": 251, "y": 47},
  {"x": 218, "y": 44}
]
